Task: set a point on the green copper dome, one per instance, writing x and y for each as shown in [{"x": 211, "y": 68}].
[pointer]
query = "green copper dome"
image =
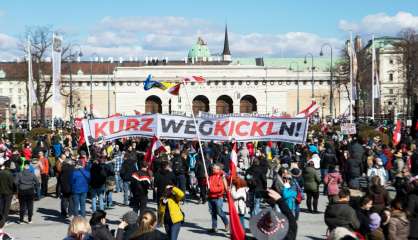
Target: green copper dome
[{"x": 199, "y": 50}]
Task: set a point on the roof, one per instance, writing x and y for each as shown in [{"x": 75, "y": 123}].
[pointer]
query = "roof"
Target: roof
[
  {"x": 226, "y": 43},
  {"x": 383, "y": 42},
  {"x": 320, "y": 63},
  {"x": 199, "y": 50}
]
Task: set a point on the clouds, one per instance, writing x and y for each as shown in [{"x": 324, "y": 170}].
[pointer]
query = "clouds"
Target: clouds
[
  {"x": 382, "y": 23},
  {"x": 8, "y": 47}
]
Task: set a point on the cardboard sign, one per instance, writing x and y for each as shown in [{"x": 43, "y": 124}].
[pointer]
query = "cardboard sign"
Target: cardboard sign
[{"x": 348, "y": 128}]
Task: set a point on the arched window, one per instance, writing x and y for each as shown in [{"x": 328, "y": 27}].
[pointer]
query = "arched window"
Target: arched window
[
  {"x": 200, "y": 103},
  {"x": 153, "y": 104},
  {"x": 224, "y": 105},
  {"x": 248, "y": 104}
]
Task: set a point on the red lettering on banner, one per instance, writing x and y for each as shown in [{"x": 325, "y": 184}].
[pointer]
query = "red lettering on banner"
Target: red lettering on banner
[
  {"x": 111, "y": 127},
  {"x": 270, "y": 129},
  {"x": 99, "y": 129},
  {"x": 231, "y": 128},
  {"x": 121, "y": 125},
  {"x": 257, "y": 128},
  {"x": 238, "y": 128},
  {"x": 132, "y": 124},
  {"x": 220, "y": 128},
  {"x": 146, "y": 123}
]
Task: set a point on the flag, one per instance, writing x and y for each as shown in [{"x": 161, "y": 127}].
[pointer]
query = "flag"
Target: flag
[
  {"x": 269, "y": 154},
  {"x": 309, "y": 111},
  {"x": 233, "y": 163},
  {"x": 198, "y": 79},
  {"x": 156, "y": 145},
  {"x": 137, "y": 112},
  {"x": 375, "y": 74},
  {"x": 56, "y": 73},
  {"x": 31, "y": 86},
  {"x": 175, "y": 90},
  {"x": 166, "y": 85},
  {"x": 353, "y": 58},
  {"x": 396, "y": 138},
  {"x": 81, "y": 139},
  {"x": 150, "y": 83},
  {"x": 237, "y": 231}
]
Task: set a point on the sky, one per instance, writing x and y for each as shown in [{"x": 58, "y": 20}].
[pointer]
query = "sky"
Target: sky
[{"x": 157, "y": 28}]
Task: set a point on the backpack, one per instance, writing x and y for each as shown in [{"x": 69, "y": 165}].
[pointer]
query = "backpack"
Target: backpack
[
  {"x": 299, "y": 195},
  {"x": 216, "y": 189}
]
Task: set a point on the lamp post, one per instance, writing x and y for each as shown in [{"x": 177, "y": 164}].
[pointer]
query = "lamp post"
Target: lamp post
[
  {"x": 331, "y": 95},
  {"x": 71, "y": 105},
  {"x": 13, "y": 111},
  {"x": 297, "y": 80},
  {"x": 312, "y": 70},
  {"x": 91, "y": 83}
]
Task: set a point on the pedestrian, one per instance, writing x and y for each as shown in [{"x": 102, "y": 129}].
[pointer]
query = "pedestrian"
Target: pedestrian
[
  {"x": 257, "y": 182},
  {"x": 100, "y": 230},
  {"x": 328, "y": 158},
  {"x": 379, "y": 195},
  {"x": 44, "y": 169},
  {"x": 163, "y": 178},
  {"x": 378, "y": 170},
  {"x": 129, "y": 166},
  {"x": 179, "y": 168},
  {"x": 147, "y": 228},
  {"x": 141, "y": 182},
  {"x": 412, "y": 209},
  {"x": 67, "y": 208},
  {"x": 27, "y": 184},
  {"x": 332, "y": 181},
  {"x": 218, "y": 186},
  {"x": 311, "y": 182},
  {"x": 398, "y": 223},
  {"x": 79, "y": 229},
  {"x": 110, "y": 184},
  {"x": 80, "y": 180},
  {"x": 341, "y": 214},
  {"x": 169, "y": 211},
  {"x": 130, "y": 223},
  {"x": 376, "y": 232},
  {"x": 118, "y": 160},
  {"x": 7, "y": 189},
  {"x": 98, "y": 184},
  {"x": 200, "y": 172},
  {"x": 239, "y": 192},
  {"x": 363, "y": 212},
  {"x": 58, "y": 170}
]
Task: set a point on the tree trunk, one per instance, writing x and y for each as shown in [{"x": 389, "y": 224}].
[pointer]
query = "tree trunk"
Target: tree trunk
[{"x": 42, "y": 109}]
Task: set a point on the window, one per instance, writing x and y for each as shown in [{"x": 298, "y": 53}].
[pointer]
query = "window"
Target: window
[
  {"x": 390, "y": 76},
  {"x": 390, "y": 91}
]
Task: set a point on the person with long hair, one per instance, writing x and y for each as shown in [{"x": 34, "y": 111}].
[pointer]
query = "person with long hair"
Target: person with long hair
[
  {"x": 147, "y": 227},
  {"x": 378, "y": 194},
  {"x": 239, "y": 191},
  {"x": 398, "y": 223},
  {"x": 79, "y": 229}
]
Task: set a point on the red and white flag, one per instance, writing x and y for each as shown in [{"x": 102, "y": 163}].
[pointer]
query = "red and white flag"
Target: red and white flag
[
  {"x": 198, "y": 79},
  {"x": 237, "y": 231},
  {"x": 233, "y": 163},
  {"x": 140, "y": 178},
  {"x": 307, "y": 112},
  {"x": 174, "y": 90},
  {"x": 137, "y": 112},
  {"x": 155, "y": 147},
  {"x": 396, "y": 138}
]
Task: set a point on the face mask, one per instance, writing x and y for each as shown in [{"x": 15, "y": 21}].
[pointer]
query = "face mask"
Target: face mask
[{"x": 286, "y": 185}]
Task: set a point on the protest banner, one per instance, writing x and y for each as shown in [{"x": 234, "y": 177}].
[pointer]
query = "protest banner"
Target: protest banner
[
  {"x": 348, "y": 128},
  {"x": 239, "y": 128}
]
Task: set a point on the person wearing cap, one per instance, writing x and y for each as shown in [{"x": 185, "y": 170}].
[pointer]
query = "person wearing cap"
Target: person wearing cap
[
  {"x": 130, "y": 220},
  {"x": 376, "y": 232},
  {"x": 378, "y": 170}
]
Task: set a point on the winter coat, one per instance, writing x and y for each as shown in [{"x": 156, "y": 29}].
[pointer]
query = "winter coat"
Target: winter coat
[
  {"x": 65, "y": 178},
  {"x": 26, "y": 181},
  {"x": 354, "y": 168},
  {"x": 289, "y": 196},
  {"x": 128, "y": 167},
  {"x": 293, "y": 225},
  {"x": 98, "y": 175},
  {"x": 356, "y": 151},
  {"x": 101, "y": 231},
  {"x": 333, "y": 180},
  {"x": 240, "y": 198},
  {"x": 328, "y": 158},
  {"x": 413, "y": 211},
  {"x": 154, "y": 235},
  {"x": 311, "y": 179},
  {"x": 256, "y": 179},
  {"x": 80, "y": 180},
  {"x": 126, "y": 233},
  {"x": 381, "y": 172},
  {"x": 163, "y": 178},
  {"x": 7, "y": 182},
  {"x": 398, "y": 226},
  {"x": 363, "y": 217},
  {"x": 376, "y": 235},
  {"x": 341, "y": 215},
  {"x": 414, "y": 163},
  {"x": 380, "y": 197},
  {"x": 174, "y": 210},
  {"x": 200, "y": 169}
]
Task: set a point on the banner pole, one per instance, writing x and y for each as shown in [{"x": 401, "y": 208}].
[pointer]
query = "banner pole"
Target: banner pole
[{"x": 197, "y": 133}]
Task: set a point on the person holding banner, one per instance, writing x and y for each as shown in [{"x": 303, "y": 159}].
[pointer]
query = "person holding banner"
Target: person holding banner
[{"x": 218, "y": 186}]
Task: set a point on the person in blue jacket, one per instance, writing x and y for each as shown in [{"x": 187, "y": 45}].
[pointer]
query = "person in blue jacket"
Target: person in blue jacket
[{"x": 80, "y": 180}]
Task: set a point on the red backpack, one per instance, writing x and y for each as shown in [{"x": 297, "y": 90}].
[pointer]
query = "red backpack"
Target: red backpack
[{"x": 217, "y": 188}]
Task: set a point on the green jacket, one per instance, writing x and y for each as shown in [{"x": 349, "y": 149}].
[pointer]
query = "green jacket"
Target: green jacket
[
  {"x": 7, "y": 182},
  {"x": 311, "y": 179}
]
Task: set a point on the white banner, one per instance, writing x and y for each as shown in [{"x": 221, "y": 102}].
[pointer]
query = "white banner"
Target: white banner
[
  {"x": 56, "y": 72},
  {"x": 237, "y": 128},
  {"x": 348, "y": 128}
]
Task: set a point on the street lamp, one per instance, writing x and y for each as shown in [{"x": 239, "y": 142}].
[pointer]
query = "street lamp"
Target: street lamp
[
  {"x": 312, "y": 70},
  {"x": 331, "y": 95},
  {"x": 13, "y": 111},
  {"x": 297, "y": 92},
  {"x": 71, "y": 57},
  {"x": 91, "y": 83}
]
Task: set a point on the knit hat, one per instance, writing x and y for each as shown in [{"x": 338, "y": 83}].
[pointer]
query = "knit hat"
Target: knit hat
[
  {"x": 374, "y": 221},
  {"x": 130, "y": 217},
  {"x": 269, "y": 225}
]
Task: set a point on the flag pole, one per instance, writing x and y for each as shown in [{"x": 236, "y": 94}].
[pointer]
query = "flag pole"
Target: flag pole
[
  {"x": 351, "y": 76},
  {"x": 373, "y": 76},
  {"x": 197, "y": 133},
  {"x": 30, "y": 85}
]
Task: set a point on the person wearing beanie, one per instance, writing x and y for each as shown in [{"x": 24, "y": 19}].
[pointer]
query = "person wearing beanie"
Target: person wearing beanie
[
  {"x": 376, "y": 232},
  {"x": 130, "y": 227}
]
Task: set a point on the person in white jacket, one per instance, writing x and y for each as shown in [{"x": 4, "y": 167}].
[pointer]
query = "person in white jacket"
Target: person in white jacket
[
  {"x": 239, "y": 192},
  {"x": 378, "y": 170}
]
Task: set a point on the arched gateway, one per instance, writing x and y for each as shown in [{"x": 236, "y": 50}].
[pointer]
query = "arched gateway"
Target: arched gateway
[
  {"x": 224, "y": 105},
  {"x": 153, "y": 104}
]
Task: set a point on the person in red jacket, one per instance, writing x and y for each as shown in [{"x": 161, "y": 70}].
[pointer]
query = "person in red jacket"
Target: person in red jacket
[
  {"x": 27, "y": 151},
  {"x": 44, "y": 169},
  {"x": 217, "y": 188}
]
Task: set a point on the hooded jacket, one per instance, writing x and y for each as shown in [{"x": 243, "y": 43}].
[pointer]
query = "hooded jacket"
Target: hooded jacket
[
  {"x": 26, "y": 181},
  {"x": 341, "y": 215},
  {"x": 398, "y": 226}
]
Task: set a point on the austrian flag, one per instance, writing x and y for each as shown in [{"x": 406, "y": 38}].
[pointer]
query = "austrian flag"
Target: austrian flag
[
  {"x": 198, "y": 79},
  {"x": 155, "y": 148}
]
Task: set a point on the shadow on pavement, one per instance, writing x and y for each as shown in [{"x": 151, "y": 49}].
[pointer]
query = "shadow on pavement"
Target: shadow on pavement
[
  {"x": 52, "y": 215},
  {"x": 315, "y": 238},
  {"x": 200, "y": 230}
]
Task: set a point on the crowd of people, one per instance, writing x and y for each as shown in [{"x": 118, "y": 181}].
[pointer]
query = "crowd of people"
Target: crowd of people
[{"x": 372, "y": 188}]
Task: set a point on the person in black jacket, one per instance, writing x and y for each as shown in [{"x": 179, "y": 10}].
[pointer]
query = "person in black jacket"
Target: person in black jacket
[
  {"x": 328, "y": 158},
  {"x": 179, "y": 166},
  {"x": 141, "y": 182},
  {"x": 200, "y": 173},
  {"x": 163, "y": 178},
  {"x": 7, "y": 189},
  {"x": 26, "y": 183},
  {"x": 99, "y": 228},
  {"x": 293, "y": 225},
  {"x": 129, "y": 166},
  {"x": 363, "y": 214},
  {"x": 65, "y": 182},
  {"x": 341, "y": 214},
  {"x": 98, "y": 176},
  {"x": 257, "y": 182}
]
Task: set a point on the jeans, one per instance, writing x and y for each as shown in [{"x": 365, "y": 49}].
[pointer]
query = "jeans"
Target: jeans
[
  {"x": 172, "y": 230},
  {"x": 118, "y": 182},
  {"x": 324, "y": 172},
  {"x": 242, "y": 220},
  {"x": 181, "y": 182},
  {"x": 109, "y": 201},
  {"x": 97, "y": 194},
  {"x": 79, "y": 201},
  {"x": 256, "y": 208},
  {"x": 215, "y": 208},
  {"x": 126, "y": 192}
]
